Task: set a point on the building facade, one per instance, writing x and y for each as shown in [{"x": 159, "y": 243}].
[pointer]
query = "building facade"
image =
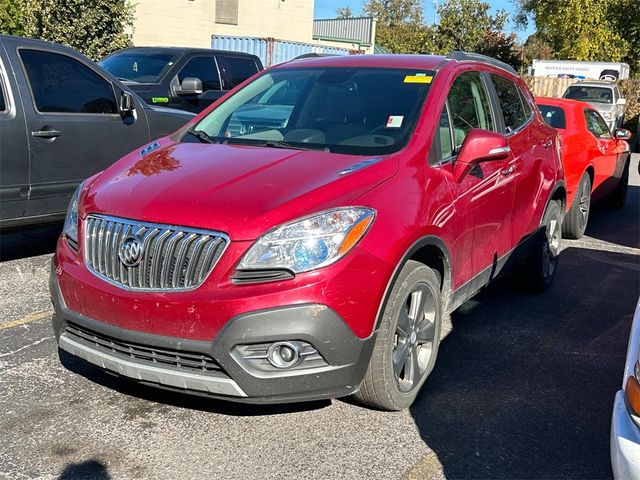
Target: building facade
[{"x": 192, "y": 23}]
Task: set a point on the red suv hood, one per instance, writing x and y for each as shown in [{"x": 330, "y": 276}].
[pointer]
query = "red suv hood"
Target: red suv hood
[{"x": 240, "y": 190}]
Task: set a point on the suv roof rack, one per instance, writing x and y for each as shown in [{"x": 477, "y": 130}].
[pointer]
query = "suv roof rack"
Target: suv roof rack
[{"x": 477, "y": 57}]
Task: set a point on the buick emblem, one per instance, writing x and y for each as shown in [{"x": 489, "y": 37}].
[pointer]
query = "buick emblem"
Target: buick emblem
[{"x": 130, "y": 251}]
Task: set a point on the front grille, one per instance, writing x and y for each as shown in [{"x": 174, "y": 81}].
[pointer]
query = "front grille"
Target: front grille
[
  {"x": 195, "y": 362},
  {"x": 172, "y": 258}
]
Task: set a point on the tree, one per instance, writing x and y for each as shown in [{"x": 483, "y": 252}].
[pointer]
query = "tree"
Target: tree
[
  {"x": 580, "y": 29},
  {"x": 466, "y": 25},
  {"x": 503, "y": 47},
  {"x": 344, "y": 12},
  {"x": 94, "y": 27},
  {"x": 400, "y": 26},
  {"x": 536, "y": 48},
  {"x": 622, "y": 15}
]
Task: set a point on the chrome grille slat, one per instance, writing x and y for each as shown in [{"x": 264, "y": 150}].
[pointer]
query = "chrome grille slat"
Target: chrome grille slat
[
  {"x": 182, "y": 252},
  {"x": 173, "y": 257},
  {"x": 166, "y": 265},
  {"x": 115, "y": 269},
  {"x": 156, "y": 260}
]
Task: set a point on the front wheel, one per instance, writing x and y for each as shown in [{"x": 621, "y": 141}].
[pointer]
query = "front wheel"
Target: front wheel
[
  {"x": 537, "y": 272},
  {"x": 407, "y": 343}
]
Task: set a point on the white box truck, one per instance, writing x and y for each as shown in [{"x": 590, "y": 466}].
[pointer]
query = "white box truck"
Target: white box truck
[{"x": 582, "y": 70}]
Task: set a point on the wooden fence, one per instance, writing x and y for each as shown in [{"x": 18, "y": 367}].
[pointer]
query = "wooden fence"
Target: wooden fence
[{"x": 548, "y": 87}]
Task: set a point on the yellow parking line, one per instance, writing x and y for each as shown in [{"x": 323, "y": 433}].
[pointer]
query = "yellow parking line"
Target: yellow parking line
[{"x": 29, "y": 318}]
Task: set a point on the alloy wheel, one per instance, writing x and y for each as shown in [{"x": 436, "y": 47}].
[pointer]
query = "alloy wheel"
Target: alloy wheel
[{"x": 414, "y": 338}]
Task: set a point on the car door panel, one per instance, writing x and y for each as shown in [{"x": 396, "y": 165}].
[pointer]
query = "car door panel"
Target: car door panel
[
  {"x": 73, "y": 124},
  {"x": 14, "y": 151},
  {"x": 484, "y": 197}
]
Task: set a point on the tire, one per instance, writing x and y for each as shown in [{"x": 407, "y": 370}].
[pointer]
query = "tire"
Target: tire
[
  {"x": 410, "y": 334},
  {"x": 575, "y": 222},
  {"x": 619, "y": 196},
  {"x": 538, "y": 270}
]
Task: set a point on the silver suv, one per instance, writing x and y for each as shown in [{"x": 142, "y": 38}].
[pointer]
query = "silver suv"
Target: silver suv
[{"x": 604, "y": 96}]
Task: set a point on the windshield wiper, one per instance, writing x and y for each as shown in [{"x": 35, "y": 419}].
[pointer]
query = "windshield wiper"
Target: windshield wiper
[
  {"x": 203, "y": 136},
  {"x": 283, "y": 144}
]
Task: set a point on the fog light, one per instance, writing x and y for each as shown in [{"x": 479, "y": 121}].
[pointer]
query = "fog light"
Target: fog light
[{"x": 283, "y": 354}]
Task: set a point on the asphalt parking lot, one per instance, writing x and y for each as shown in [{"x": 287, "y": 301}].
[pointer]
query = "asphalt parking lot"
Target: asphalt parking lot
[{"x": 523, "y": 388}]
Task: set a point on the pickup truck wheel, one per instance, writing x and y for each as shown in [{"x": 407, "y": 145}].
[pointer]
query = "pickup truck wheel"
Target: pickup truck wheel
[
  {"x": 575, "y": 223},
  {"x": 619, "y": 196},
  {"x": 537, "y": 272},
  {"x": 407, "y": 343}
]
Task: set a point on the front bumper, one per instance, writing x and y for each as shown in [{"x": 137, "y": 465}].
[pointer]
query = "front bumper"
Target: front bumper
[
  {"x": 625, "y": 441},
  {"x": 146, "y": 358}
]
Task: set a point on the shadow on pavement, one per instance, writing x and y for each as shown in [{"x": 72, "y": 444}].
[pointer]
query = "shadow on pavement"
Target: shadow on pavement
[
  {"x": 178, "y": 399},
  {"x": 524, "y": 384},
  {"x": 93, "y": 469},
  {"x": 622, "y": 226},
  {"x": 29, "y": 242}
]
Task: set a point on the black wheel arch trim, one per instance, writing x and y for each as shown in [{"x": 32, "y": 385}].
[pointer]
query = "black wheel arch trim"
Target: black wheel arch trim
[{"x": 446, "y": 290}]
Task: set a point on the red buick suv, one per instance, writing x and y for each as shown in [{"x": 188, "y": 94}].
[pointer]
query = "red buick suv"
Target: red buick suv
[{"x": 306, "y": 235}]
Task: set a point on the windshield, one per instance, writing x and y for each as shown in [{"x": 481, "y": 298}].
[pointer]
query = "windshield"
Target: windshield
[
  {"x": 589, "y": 94},
  {"x": 138, "y": 67},
  {"x": 554, "y": 116},
  {"x": 361, "y": 111}
]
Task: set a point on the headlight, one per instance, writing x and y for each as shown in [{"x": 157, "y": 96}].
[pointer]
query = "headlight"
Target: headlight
[
  {"x": 310, "y": 243},
  {"x": 71, "y": 222}
]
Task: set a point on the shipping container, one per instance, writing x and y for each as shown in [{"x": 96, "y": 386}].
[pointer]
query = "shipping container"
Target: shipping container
[
  {"x": 271, "y": 50},
  {"x": 581, "y": 70}
]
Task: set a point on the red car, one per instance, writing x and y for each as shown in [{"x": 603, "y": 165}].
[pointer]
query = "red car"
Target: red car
[
  {"x": 596, "y": 161},
  {"x": 305, "y": 236}
]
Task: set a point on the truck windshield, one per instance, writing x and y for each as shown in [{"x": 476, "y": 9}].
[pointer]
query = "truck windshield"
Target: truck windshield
[
  {"x": 589, "y": 94},
  {"x": 361, "y": 111},
  {"x": 138, "y": 67}
]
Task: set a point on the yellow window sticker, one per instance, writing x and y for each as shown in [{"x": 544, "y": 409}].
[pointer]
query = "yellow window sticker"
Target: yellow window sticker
[{"x": 418, "y": 78}]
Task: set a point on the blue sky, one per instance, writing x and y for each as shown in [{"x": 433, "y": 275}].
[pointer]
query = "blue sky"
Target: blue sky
[{"x": 327, "y": 9}]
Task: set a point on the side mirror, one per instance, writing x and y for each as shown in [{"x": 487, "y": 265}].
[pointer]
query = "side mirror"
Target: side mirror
[
  {"x": 190, "y": 86},
  {"x": 479, "y": 146},
  {"x": 126, "y": 104},
  {"x": 622, "y": 101},
  {"x": 622, "y": 134}
]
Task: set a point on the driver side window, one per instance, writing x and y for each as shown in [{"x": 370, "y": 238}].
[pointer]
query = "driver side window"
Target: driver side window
[
  {"x": 596, "y": 125},
  {"x": 469, "y": 107},
  {"x": 205, "y": 69}
]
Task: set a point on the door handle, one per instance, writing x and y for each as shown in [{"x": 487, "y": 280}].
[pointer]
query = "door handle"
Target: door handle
[
  {"x": 547, "y": 143},
  {"x": 508, "y": 171},
  {"x": 46, "y": 133}
]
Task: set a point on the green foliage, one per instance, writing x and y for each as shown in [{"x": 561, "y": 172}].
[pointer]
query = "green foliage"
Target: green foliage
[
  {"x": 498, "y": 45},
  {"x": 598, "y": 30},
  {"x": 625, "y": 16},
  {"x": 400, "y": 27},
  {"x": 12, "y": 18},
  {"x": 94, "y": 27},
  {"x": 465, "y": 24},
  {"x": 536, "y": 48}
]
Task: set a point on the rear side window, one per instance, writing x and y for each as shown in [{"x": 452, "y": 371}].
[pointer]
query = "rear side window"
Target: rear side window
[
  {"x": 203, "y": 68},
  {"x": 469, "y": 106},
  {"x": 510, "y": 103},
  {"x": 596, "y": 124},
  {"x": 554, "y": 116},
  {"x": 238, "y": 69},
  {"x": 61, "y": 84}
]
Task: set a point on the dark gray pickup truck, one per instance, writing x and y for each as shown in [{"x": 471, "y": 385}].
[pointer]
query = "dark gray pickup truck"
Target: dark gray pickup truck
[{"x": 62, "y": 119}]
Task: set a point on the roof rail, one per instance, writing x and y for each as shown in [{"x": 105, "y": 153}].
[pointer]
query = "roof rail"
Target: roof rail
[{"x": 477, "y": 57}]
